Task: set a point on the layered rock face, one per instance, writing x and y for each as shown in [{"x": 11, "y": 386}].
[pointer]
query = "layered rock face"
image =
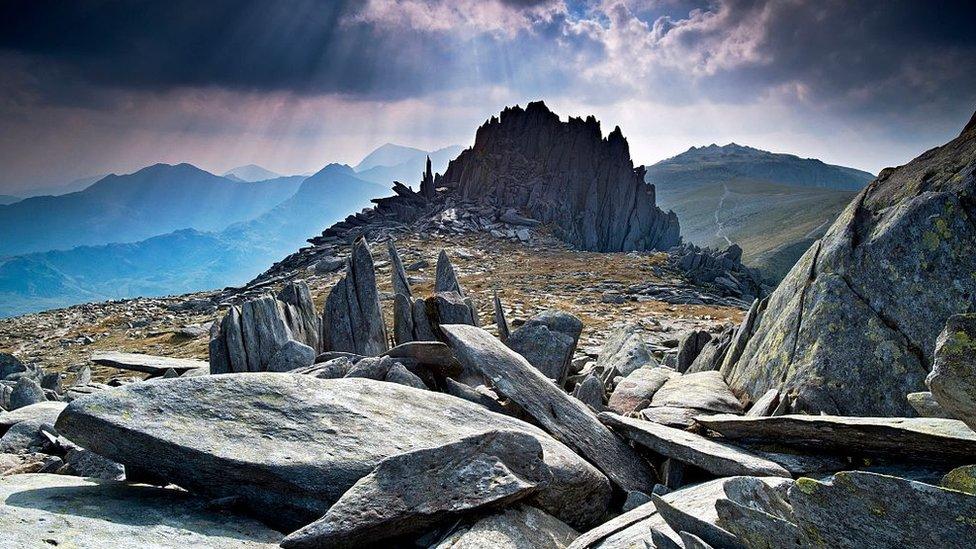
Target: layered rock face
[
  {"x": 853, "y": 326},
  {"x": 566, "y": 174}
]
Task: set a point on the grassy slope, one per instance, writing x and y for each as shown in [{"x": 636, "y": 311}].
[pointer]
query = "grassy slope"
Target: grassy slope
[{"x": 774, "y": 224}]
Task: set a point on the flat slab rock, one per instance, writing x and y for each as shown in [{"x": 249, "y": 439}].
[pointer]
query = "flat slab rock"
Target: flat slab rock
[
  {"x": 149, "y": 364},
  {"x": 517, "y": 527},
  {"x": 47, "y": 412},
  {"x": 409, "y": 492},
  {"x": 290, "y": 445},
  {"x": 715, "y": 457},
  {"x": 42, "y": 510},
  {"x": 701, "y": 390},
  {"x": 925, "y": 439}
]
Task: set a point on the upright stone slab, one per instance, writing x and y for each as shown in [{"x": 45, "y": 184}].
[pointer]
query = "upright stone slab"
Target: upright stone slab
[{"x": 352, "y": 320}]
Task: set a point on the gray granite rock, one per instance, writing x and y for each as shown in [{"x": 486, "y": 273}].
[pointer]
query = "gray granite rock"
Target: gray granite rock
[
  {"x": 291, "y": 356},
  {"x": 548, "y": 340},
  {"x": 184, "y": 431},
  {"x": 46, "y": 411},
  {"x": 701, "y": 390},
  {"x": 590, "y": 392},
  {"x": 689, "y": 346},
  {"x": 27, "y": 436},
  {"x": 634, "y": 392},
  {"x": 623, "y": 352},
  {"x": 401, "y": 284},
  {"x": 953, "y": 376},
  {"x": 352, "y": 320},
  {"x": 516, "y": 527},
  {"x": 25, "y": 393},
  {"x": 407, "y": 493},
  {"x": 398, "y": 373},
  {"x": 925, "y": 404},
  {"x": 42, "y": 510}
]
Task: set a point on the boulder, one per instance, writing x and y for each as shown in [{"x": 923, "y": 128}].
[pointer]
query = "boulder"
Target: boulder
[
  {"x": 634, "y": 392},
  {"x": 408, "y": 493},
  {"x": 291, "y": 356},
  {"x": 925, "y": 404},
  {"x": 765, "y": 405},
  {"x": 926, "y": 440},
  {"x": 46, "y": 411},
  {"x": 516, "y": 527},
  {"x": 852, "y": 328},
  {"x": 352, "y": 320},
  {"x": 403, "y": 324},
  {"x": 623, "y": 352},
  {"x": 564, "y": 174},
  {"x": 962, "y": 479},
  {"x": 25, "y": 463},
  {"x": 701, "y": 391},
  {"x": 563, "y": 416},
  {"x": 953, "y": 376},
  {"x": 327, "y": 434},
  {"x": 430, "y": 353},
  {"x": 548, "y": 341},
  {"x": 27, "y": 436},
  {"x": 718, "y": 458},
  {"x": 590, "y": 392},
  {"x": 10, "y": 366},
  {"x": 303, "y": 323},
  {"x": 398, "y": 373},
  {"x": 42, "y": 510},
  {"x": 25, "y": 393},
  {"x": 856, "y": 509}
]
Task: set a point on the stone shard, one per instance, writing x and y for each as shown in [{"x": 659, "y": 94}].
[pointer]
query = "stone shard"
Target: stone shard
[
  {"x": 855, "y": 509},
  {"x": 298, "y": 308},
  {"x": 500, "y": 323},
  {"x": 516, "y": 527},
  {"x": 953, "y": 376},
  {"x": 148, "y": 364},
  {"x": 327, "y": 435},
  {"x": 445, "y": 279},
  {"x": 548, "y": 341},
  {"x": 927, "y": 440},
  {"x": 352, "y": 320},
  {"x": 765, "y": 405},
  {"x": 712, "y": 353},
  {"x": 634, "y": 392},
  {"x": 689, "y": 346},
  {"x": 407, "y": 493},
  {"x": 718, "y": 458},
  {"x": 403, "y": 326},
  {"x": 565, "y": 417},
  {"x": 564, "y": 174},
  {"x": 42, "y": 510},
  {"x": 701, "y": 391},
  {"x": 852, "y": 328},
  {"x": 925, "y": 404},
  {"x": 623, "y": 352},
  {"x": 401, "y": 284}
]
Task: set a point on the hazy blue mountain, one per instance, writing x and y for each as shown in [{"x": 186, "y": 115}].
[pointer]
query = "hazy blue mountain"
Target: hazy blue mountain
[
  {"x": 153, "y": 201},
  {"x": 714, "y": 163},
  {"x": 8, "y": 199},
  {"x": 409, "y": 170},
  {"x": 388, "y": 155},
  {"x": 185, "y": 260},
  {"x": 250, "y": 173},
  {"x": 772, "y": 205},
  {"x": 58, "y": 189}
]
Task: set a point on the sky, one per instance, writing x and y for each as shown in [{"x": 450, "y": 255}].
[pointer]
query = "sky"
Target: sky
[{"x": 94, "y": 87}]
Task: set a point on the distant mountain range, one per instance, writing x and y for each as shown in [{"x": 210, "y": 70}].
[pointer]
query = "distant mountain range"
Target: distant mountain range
[
  {"x": 8, "y": 199},
  {"x": 772, "y": 205},
  {"x": 250, "y": 173},
  {"x": 125, "y": 208},
  {"x": 391, "y": 163},
  {"x": 185, "y": 260}
]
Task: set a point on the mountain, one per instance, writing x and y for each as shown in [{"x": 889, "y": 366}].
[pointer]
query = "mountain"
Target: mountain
[
  {"x": 58, "y": 189},
  {"x": 250, "y": 173},
  {"x": 388, "y": 155},
  {"x": 153, "y": 201},
  {"x": 8, "y": 199},
  {"x": 715, "y": 163},
  {"x": 409, "y": 168},
  {"x": 182, "y": 261},
  {"x": 772, "y": 205}
]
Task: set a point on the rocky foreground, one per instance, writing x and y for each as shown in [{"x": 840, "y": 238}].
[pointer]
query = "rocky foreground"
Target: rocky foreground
[{"x": 395, "y": 401}]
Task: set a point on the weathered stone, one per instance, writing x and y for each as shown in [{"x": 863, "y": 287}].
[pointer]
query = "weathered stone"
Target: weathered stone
[
  {"x": 689, "y": 347},
  {"x": 765, "y": 405},
  {"x": 623, "y": 352},
  {"x": 63, "y": 511},
  {"x": 530, "y": 160},
  {"x": 634, "y": 392},
  {"x": 516, "y": 527},
  {"x": 85, "y": 463},
  {"x": 962, "y": 479},
  {"x": 706, "y": 528},
  {"x": 25, "y": 393},
  {"x": 145, "y": 363},
  {"x": 671, "y": 416},
  {"x": 374, "y": 368},
  {"x": 352, "y": 320},
  {"x": 46, "y": 411},
  {"x": 403, "y": 327},
  {"x": 432, "y": 353},
  {"x": 462, "y": 391},
  {"x": 852, "y": 327},
  {"x": 856, "y": 509},
  {"x": 399, "y": 373},
  {"x": 691, "y": 541},
  {"x": 925, "y": 404},
  {"x": 423, "y": 328},
  {"x": 590, "y": 392},
  {"x": 548, "y": 341},
  {"x": 953, "y": 376},
  {"x": 716, "y": 457},
  {"x": 10, "y": 366},
  {"x": 445, "y": 279},
  {"x": 249, "y": 336},
  {"x": 500, "y": 323},
  {"x": 565, "y": 417},
  {"x": 22, "y": 464},
  {"x": 291, "y": 356},
  {"x": 27, "y": 436},
  {"x": 928, "y": 440},
  {"x": 303, "y": 323},
  {"x": 327, "y": 435},
  {"x": 330, "y": 369},
  {"x": 701, "y": 390},
  {"x": 407, "y": 493},
  {"x": 712, "y": 353},
  {"x": 401, "y": 284}
]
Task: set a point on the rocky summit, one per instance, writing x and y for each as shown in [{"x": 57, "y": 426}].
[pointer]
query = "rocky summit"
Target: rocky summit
[{"x": 521, "y": 353}]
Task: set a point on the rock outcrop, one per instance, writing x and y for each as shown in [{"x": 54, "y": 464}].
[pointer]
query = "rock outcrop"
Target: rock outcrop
[
  {"x": 352, "y": 321},
  {"x": 852, "y": 328},
  {"x": 566, "y": 174}
]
